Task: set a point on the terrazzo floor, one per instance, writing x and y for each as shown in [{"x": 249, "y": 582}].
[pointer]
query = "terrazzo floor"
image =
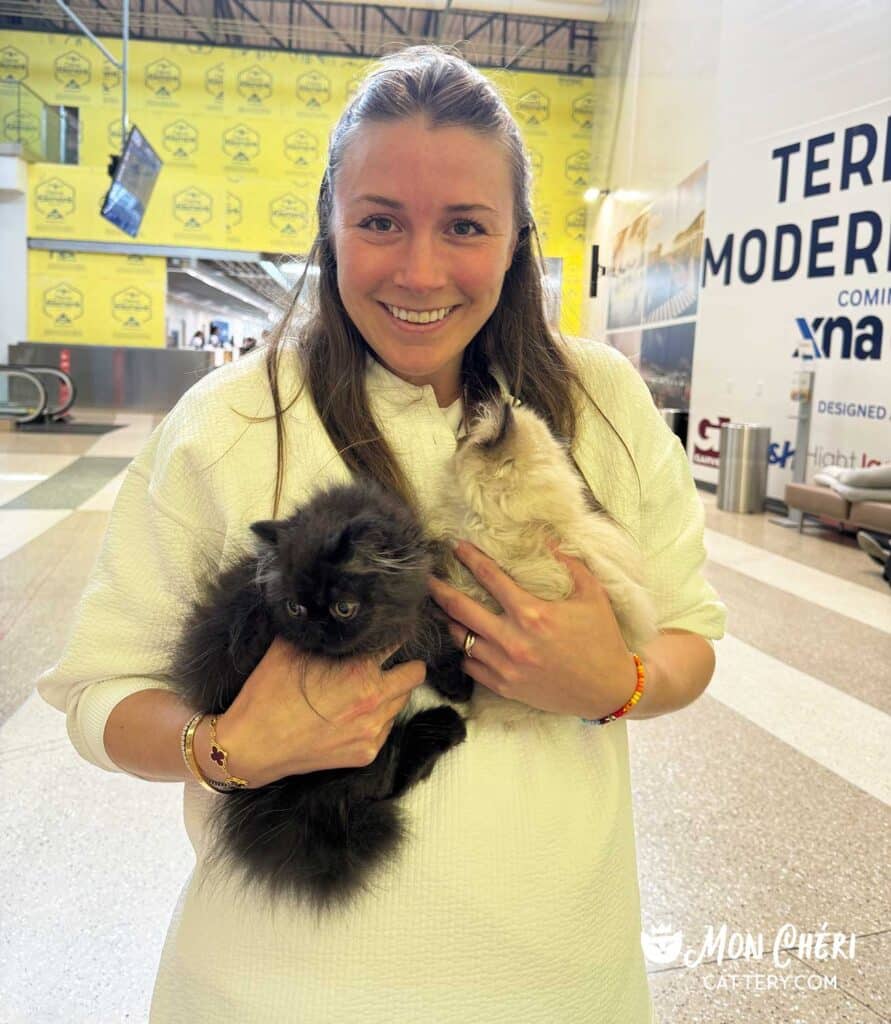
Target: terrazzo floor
[{"x": 761, "y": 811}]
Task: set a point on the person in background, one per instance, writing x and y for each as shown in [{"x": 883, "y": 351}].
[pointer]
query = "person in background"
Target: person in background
[
  {"x": 197, "y": 339},
  {"x": 515, "y": 895}
]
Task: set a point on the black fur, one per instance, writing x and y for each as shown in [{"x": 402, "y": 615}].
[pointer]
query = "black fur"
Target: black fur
[{"x": 316, "y": 836}]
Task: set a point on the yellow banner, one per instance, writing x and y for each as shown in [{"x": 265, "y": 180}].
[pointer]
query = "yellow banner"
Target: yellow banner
[
  {"x": 244, "y": 133},
  {"x": 96, "y": 299}
]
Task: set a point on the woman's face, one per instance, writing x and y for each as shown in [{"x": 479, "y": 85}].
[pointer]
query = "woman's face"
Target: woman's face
[{"x": 422, "y": 222}]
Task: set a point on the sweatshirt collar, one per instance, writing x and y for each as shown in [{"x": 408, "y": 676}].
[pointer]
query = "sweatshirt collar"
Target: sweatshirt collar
[{"x": 384, "y": 384}]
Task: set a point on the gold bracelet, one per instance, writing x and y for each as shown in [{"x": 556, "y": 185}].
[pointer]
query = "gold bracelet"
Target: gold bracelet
[
  {"x": 220, "y": 758},
  {"x": 188, "y": 748}
]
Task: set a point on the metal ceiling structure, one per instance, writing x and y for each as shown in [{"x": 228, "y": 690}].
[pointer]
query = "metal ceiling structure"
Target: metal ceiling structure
[{"x": 558, "y": 36}]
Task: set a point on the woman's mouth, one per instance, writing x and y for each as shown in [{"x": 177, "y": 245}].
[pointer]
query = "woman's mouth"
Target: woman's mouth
[{"x": 418, "y": 319}]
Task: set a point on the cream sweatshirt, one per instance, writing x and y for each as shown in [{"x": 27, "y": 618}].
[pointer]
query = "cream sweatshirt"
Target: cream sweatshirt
[{"x": 516, "y": 895}]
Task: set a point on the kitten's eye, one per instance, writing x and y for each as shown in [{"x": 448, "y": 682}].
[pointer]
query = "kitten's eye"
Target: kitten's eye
[
  {"x": 344, "y": 609},
  {"x": 298, "y": 611}
]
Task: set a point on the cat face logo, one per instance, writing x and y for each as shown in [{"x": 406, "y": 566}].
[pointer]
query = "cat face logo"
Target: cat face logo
[
  {"x": 72, "y": 71},
  {"x": 583, "y": 110},
  {"x": 578, "y": 168},
  {"x": 533, "y": 107},
  {"x": 288, "y": 214},
  {"x": 131, "y": 307},
  {"x": 661, "y": 945}
]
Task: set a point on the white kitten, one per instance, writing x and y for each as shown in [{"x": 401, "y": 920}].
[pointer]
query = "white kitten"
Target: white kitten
[{"x": 511, "y": 486}]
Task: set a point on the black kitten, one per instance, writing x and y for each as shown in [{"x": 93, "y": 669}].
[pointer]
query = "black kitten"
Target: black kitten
[{"x": 345, "y": 575}]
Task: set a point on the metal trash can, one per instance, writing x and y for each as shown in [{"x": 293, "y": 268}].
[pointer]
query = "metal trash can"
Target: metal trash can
[
  {"x": 742, "y": 469},
  {"x": 677, "y": 420}
]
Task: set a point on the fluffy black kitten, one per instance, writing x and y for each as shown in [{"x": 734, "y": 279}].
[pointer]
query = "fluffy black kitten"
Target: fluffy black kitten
[{"x": 345, "y": 575}]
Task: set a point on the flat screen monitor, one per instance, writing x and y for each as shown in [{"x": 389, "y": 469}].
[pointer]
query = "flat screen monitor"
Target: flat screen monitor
[{"x": 132, "y": 183}]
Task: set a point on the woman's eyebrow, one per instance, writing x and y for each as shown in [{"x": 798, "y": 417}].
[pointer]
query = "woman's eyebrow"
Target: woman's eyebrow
[{"x": 394, "y": 204}]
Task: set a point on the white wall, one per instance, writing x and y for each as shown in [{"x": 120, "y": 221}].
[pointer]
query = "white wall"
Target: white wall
[{"x": 727, "y": 82}]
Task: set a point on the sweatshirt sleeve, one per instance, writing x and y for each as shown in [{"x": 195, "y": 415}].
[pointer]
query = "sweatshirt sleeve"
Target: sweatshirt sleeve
[
  {"x": 160, "y": 542},
  {"x": 671, "y": 515}
]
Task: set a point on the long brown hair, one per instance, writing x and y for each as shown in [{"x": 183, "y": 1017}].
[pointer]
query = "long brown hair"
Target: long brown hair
[{"x": 516, "y": 339}]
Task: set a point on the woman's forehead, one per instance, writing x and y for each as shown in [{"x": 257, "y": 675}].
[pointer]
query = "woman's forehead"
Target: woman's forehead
[{"x": 407, "y": 160}]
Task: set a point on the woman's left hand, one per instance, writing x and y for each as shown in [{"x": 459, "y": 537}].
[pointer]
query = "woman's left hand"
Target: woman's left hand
[{"x": 566, "y": 656}]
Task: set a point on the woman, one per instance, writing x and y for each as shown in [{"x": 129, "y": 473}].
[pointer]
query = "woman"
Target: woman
[{"x": 516, "y": 895}]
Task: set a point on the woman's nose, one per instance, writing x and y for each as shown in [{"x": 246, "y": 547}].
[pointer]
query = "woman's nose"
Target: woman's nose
[{"x": 421, "y": 266}]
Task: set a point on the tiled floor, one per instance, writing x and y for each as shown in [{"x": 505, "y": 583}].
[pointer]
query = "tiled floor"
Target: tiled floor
[{"x": 761, "y": 811}]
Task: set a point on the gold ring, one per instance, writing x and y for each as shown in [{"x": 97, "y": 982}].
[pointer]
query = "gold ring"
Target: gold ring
[{"x": 469, "y": 641}]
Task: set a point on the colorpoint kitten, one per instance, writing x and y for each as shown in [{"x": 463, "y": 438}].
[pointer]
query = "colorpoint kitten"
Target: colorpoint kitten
[{"x": 512, "y": 486}]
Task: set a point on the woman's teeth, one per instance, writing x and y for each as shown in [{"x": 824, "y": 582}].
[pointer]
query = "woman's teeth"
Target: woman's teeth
[{"x": 427, "y": 316}]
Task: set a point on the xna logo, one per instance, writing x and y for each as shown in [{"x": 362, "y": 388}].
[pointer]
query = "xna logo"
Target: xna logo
[{"x": 833, "y": 336}]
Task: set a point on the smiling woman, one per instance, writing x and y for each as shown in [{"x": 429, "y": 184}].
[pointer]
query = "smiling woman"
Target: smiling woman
[
  {"x": 416, "y": 277},
  {"x": 515, "y": 893}
]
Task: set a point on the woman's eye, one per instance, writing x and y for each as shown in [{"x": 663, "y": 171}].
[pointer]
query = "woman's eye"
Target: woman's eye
[
  {"x": 297, "y": 611},
  {"x": 344, "y": 609},
  {"x": 478, "y": 229},
  {"x": 378, "y": 221}
]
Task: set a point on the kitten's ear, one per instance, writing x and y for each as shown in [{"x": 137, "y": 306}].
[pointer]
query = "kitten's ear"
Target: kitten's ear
[
  {"x": 267, "y": 530},
  {"x": 505, "y": 424}
]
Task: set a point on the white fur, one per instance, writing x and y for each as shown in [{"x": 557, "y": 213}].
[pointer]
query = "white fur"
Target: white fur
[{"x": 509, "y": 500}]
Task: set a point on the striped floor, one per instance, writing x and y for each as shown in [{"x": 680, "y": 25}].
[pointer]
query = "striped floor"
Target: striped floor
[{"x": 762, "y": 811}]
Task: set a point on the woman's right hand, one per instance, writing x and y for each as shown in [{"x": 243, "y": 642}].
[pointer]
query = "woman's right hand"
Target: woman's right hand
[{"x": 339, "y": 718}]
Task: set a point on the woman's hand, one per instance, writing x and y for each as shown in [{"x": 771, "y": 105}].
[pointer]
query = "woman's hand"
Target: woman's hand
[
  {"x": 339, "y": 717},
  {"x": 562, "y": 656}
]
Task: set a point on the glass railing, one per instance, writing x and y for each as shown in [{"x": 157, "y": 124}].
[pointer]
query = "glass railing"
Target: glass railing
[{"x": 45, "y": 132}]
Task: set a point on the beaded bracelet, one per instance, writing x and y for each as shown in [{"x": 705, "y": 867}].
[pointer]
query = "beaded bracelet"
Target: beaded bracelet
[{"x": 635, "y": 697}]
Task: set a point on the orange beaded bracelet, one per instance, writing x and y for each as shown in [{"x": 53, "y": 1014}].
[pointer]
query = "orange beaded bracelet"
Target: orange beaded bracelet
[{"x": 635, "y": 697}]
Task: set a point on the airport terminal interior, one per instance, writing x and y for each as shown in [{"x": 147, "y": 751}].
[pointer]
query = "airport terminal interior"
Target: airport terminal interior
[{"x": 711, "y": 186}]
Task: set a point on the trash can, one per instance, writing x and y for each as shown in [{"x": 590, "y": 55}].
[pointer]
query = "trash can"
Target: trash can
[
  {"x": 742, "y": 469},
  {"x": 677, "y": 420}
]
